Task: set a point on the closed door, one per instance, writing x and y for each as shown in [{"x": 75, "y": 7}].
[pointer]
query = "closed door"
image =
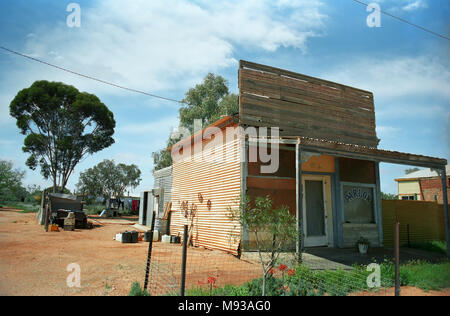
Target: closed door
[{"x": 314, "y": 214}]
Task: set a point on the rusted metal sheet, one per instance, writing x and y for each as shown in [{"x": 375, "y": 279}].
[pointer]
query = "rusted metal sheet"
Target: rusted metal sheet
[
  {"x": 304, "y": 106},
  {"x": 210, "y": 187}
]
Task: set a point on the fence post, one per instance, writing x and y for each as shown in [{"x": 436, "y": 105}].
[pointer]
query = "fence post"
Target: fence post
[
  {"x": 407, "y": 232},
  {"x": 149, "y": 255},
  {"x": 397, "y": 259},
  {"x": 183, "y": 261}
]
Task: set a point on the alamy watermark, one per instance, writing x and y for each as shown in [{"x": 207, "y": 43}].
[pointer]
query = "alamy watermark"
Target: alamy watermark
[
  {"x": 211, "y": 145},
  {"x": 74, "y": 18},
  {"x": 374, "y": 18},
  {"x": 374, "y": 279},
  {"x": 74, "y": 278}
]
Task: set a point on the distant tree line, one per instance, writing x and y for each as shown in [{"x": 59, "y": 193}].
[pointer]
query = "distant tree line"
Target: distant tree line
[
  {"x": 12, "y": 188},
  {"x": 108, "y": 179}
]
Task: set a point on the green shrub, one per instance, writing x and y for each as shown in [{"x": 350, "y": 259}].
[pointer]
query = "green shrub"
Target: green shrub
[
  {"x": 25, "y": 207},
  {"x": 437, "y": 246},
  {"x": 136, "y": 290},
  {"x": 427, "y": 276},
  {"x": 94, "y": 209}
]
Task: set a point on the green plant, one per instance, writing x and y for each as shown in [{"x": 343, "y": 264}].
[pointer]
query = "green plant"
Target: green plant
[
  {"x": 426, "y": 276},
  {"x": 136, "y": 290},
  {"x": 363, "y": 241},
  {"x": 437, "y": 246},
  {"x": 24, "y": 207},
  {"x": 302, "y": 281}
]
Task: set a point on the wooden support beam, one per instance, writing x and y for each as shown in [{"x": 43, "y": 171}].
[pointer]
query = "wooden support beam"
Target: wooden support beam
[
  {"x": 378, "y": 204},
  {"x": 299, "y": 202},
  {"x": 244, "y": 176},
  {"x": 445, "y": 200}
]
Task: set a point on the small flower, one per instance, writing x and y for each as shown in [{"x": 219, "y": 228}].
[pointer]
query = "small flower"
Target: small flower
[
  {"x": 282, "y": 267},
  {"x": 211, "y": 280},
  {"x": 271, "y": 271},
  {"x": 291, "y": 272}
]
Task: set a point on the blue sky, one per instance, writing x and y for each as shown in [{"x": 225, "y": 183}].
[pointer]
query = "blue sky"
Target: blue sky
[{"x": 167, "y": 47}]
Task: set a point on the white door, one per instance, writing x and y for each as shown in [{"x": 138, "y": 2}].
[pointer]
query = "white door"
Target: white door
[{"x": 314, "y": 211}]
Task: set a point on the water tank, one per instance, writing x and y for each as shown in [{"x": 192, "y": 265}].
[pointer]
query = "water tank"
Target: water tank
[{"x": 126, "y": 237}]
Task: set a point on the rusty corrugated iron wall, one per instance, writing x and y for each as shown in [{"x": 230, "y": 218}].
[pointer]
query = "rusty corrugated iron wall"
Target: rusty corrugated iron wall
[{"x": 207, "y": 186}]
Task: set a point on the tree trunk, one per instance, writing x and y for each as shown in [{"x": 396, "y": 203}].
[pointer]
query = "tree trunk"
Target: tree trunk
[
  {"x": 264, "y": 285},
  {"x": 54, "y": 184}
]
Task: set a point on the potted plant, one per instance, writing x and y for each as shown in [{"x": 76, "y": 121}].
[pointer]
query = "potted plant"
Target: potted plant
[{"x": 363, "y": 245}]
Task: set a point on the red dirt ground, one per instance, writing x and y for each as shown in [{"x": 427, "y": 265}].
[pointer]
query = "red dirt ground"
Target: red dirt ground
[{"x": 34, "y": 262}]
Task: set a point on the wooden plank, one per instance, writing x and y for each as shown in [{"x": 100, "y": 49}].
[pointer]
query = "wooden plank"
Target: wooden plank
[
  {"x": 305, "y": 114},
  {"x": 288, "y": 130},
  {"x": 318, "y": 89},
  {"x": 311, "y": 109},
  {"x": 305, "y": 106},
  {"x": 282, "y": 72},
  {"x": 307, "y": 127},
  {"x": 253, "y": 86}
]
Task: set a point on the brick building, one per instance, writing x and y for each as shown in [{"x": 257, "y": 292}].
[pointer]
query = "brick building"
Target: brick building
[{"x": 423, "y": 185}]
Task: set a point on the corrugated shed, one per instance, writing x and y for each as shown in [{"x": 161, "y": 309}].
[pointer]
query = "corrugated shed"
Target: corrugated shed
[
  {"x": 211, "y": 186},
  {"x": 162, "y": 181}
]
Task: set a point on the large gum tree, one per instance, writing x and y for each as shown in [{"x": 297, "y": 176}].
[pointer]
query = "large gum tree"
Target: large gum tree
[{"x": 62, "y": 125}]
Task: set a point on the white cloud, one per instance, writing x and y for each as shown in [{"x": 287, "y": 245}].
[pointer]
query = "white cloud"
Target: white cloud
[
  {"x": 399, "y": 6},
  {"x": 160, "y": 46},
  {"x": 407, "y": 90},
  {"x": 396, "y": 77},
  {"x": 415, "y": 5}
]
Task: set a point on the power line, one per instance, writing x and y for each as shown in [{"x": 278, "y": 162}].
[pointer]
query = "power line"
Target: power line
[
  {"x": 407, "y": 22},
  {"x": 89, "y": 77}
]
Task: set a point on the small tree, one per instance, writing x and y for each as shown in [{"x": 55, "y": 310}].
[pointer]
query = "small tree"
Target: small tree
[
  {"x": 389, "y": 196},
  {"x": 275, "y": 230},
  {"x": 10, "y": 181},
  {"x": 108, "y": 179}
]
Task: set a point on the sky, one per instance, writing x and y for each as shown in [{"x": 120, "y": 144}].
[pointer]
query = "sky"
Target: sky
[{"x": 166, "y": 47}]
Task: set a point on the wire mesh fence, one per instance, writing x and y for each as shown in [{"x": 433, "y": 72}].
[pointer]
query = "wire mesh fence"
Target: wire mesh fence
[{"x": 216, "y": 273}]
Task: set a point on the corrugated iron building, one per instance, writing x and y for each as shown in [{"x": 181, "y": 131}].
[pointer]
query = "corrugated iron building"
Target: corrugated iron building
[{"x": 328, "y": 171}]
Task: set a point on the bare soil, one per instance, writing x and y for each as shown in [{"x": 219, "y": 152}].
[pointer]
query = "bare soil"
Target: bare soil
[{"x": 34, "y": 262}]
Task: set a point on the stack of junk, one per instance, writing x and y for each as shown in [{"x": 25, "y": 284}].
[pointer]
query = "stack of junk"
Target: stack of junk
[
  {"x": 133, "y": 236},
  {"x": 69, "y": 221},
  {"x": 62, "y": 210},
  {"x": 128, "y": 237}
]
